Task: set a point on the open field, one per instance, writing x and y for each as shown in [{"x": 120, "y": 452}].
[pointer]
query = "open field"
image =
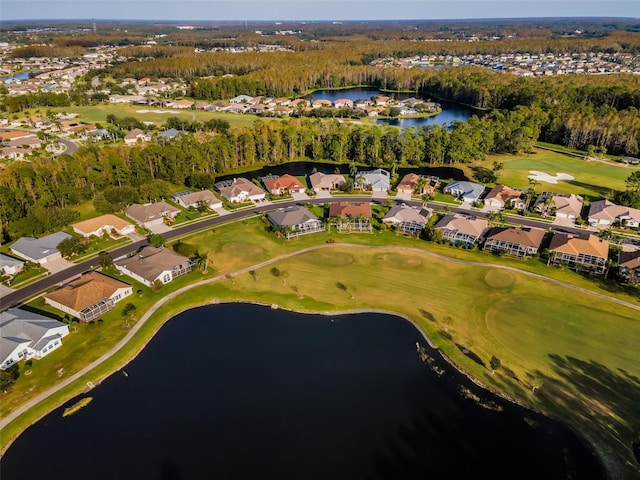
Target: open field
[
  {"x": 593, "y": 179},
  {"x": 98, "y": 114},
  {"x": 578, "y": 350}
]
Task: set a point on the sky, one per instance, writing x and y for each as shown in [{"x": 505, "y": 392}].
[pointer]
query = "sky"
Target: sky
[{"x": 256, "y": 10}]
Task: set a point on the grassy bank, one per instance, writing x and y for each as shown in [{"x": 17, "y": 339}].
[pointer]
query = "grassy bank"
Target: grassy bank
[{"x": 566, "y": 353}]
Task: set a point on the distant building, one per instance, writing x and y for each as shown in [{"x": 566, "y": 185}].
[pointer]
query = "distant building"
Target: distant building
[{"x": 25, "y": 335}]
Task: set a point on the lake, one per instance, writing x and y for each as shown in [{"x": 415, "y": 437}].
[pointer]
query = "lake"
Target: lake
[
  {"x": 18, "y": 76},
  {"x": 242, "y": 391},
  {"x": 450, "y": 111}
]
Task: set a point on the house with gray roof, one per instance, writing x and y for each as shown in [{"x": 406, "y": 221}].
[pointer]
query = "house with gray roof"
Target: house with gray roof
[
  {"x": 10, "y": 265},
  {"x": 25, "y": 335},
  {"x": 295, "y": 221},
  {"x": 40, "y": 250},
  {"x": 154, "y": 264},
  {"x": 189, "y": 198},
  {"x": 171, "y": 133},
  {"x": 466, "y": 191},
  {"x": 406, "y": 219},
  {"x": 151, "y": 214},
  {"x": 375, "y": 180}
]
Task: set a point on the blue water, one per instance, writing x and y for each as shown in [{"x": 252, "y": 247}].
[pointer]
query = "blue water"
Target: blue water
[
  {"x": 17, "y": 76},
  {"x": 450, "y": 111},
  {"x": 246, "y": 392}
]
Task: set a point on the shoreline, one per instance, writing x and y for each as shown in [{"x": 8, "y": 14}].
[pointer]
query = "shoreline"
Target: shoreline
[{"x": 78, "y": 388}]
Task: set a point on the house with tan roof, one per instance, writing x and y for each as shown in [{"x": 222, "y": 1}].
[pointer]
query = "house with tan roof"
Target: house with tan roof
[
  {"x": 181, "y": 104},
  {"x": 189, "y": 198},
  {"x": 603, "y": 214},
  {"x": 136, "y": 135},
  {"x": 462, "y": 229},
  {"x": 153, "y": 264},
  {"x": 98, "y": 226},
  {"x": 283, "y": 185},
  {"x": 321, "y": 103},
  {"x": 25, "y": 335},
  {"x": 406, "y": 219},
  {"x": 351, "y": 217},
  {"x": 579, "y": 253},
  {"x": 502, "y": 196},
  {"x": 151, "y": 214},
  {"x": 566, "y": 206},
  {"x": 629, "y": 266},
  {"x": 326, "y": 182},
  {"x": 417, "y": 185},
  {"x": 518, "y": 242},
  {"x": 88, "y": 297},
  {"x": 240, "y": 190},
  {"x": 15, "y": 135}
]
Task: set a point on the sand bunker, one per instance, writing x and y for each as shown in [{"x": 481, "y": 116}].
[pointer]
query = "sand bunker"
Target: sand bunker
[
  {"x": 173, "y": 112},
  {"x": 545, "y": 177}
]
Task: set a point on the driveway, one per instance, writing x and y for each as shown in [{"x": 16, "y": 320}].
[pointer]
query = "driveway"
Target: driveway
[
  {"x": 160, "y": 228},
  {"x": 382, "y": 195},
  {"x": 300, "y": 196},
  {"x": 403, "y": 196},
  {"x": 59, "y": 265},
  {"x": 323, "y": 194},
  {"x": 5, "y": 290}
]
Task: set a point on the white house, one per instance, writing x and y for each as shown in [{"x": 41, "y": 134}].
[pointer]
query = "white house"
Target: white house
[
  {"x": 377, "y": 180},
  {"x": 89, "y": 296},
  {"x": 240, "y": 190},
  {"x": 153, "y": 264},
  {"x": 39, "y": 250},
  {"x": 10, "y": 265},
  {"x": 189, "y": 198},
  {"x": 98, "y": 226},
  {"x": 151, "y": 214},
  {"x": 604, "y": 213},
  {"x": 136, "y": 135},
  {"x": 25, "y": 335},
  {"x": 467, "y": 191}
]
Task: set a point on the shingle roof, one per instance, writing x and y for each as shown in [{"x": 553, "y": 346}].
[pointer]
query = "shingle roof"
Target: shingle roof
[
  {"x": 529, "y": 237},
  {"x": 574, "y": 245},
  {"x": 350, "y": 210},
  {"x": 96, "y": 223},
  {"x": 326, "y": 181},
  {"x": 19, "y": 326},
  {"x": 568, "y": 204},
  {"x": 462, "y": 224},
  {"x": 606, "y": 210},
  {"x": 39, "y": 248},
  {"x": 193, "y": 198},
  {"x": 399, "y": 213},
  {"x": 503, "y": 194},
  {"x": 241, "y": 185},
  {"x": 285, "y": 181},
  {"x": 7, "y": 261},
  {"x": 629, "y": 259},
  {"x": 150, "y": 262},
  {"x": 290, "y": 216},
  {"x": 85, "y": 291},
  {"x": 150, "y": 211}
]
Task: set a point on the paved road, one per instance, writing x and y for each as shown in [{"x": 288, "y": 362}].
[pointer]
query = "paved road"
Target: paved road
[{"x": 24, "y": 293}]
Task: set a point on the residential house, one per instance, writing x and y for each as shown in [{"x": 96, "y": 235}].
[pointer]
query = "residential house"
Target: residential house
[
  {"x": 603, "y": 214},
  {"x": 326, "y": 182},
  {"x": 406, "y": 219},
  {"x": 98, "y": 226},
  {"x": 171, "y": 133},
  {"x": 462, "y": 229},
  {"x": 151, "y": 214},
  {"x": 180, "y": 104},
  {"x": 189, "y": 198},
  {"x": 374, "y": 180},
  {"x": 282, "y": 185},
  {"x": 417, "y": 185},
  {"x": 579, "y": 253},
  {"x": 502, "y": 196},
  {"x": 629, "y": 266},
  {"x": 15, "y": 135},
  {"x": 240, "y": 190},
  {"x": 321, "y": 103},
  {"x": 565, "y": 206},
  {"x": 29, "y": 142},
  {"x": 89, "y": 296},
  {"x": 153, "y": 264},
  {"x": 343, "y": 103},
  {"x": 136, "y": 135},
  {"x": 25, "y": 335},
  {"x": 10, "y": 265},
  {"x": 466, "y": 191},
  {"x": 295, "y": 221},
  {"x": 40, "y": 250},
  {"x": 519, "y": 242},
  {"x": 13, "y": 153},
  {"x": 351, "y": 217},
  {"x": 241, "y": 99}
]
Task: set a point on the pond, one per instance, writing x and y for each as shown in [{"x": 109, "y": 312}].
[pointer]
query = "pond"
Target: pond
[
  {"x": 450, "y": 111},
  {"x": 243, "y": 391}
]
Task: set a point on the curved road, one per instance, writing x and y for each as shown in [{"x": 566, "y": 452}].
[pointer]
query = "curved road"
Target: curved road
[
  {"x": 23, "y": 408},
  {"x": 14, "y": 298}
]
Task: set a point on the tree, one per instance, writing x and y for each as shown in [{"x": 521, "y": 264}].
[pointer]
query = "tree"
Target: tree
[
  {"x": 484, "y": 175},
  {"x": 157, "y": 240},
  {"x": 8, "y": 377},
  {"x": 105, "y": 260},
  {"x": 129, "y": 310},
  {"x": 633, "y": 182},
  {"x": 72, "y": 246},
  {"x": 494, "y": 363}
]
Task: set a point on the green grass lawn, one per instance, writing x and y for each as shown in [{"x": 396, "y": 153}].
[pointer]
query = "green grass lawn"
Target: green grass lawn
[
  {"x": 98, "y": 113},
  {"x": 592, "y": 179},
  {"x": 579, "y": 351}
]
